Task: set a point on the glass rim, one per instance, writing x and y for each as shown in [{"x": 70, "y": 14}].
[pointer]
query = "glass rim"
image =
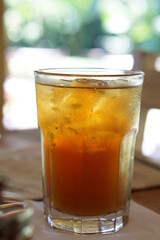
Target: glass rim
[{"x": 89, "y": 72}]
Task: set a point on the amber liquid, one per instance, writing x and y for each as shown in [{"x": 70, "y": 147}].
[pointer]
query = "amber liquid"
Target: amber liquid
[{"x": 82, "y": 133}]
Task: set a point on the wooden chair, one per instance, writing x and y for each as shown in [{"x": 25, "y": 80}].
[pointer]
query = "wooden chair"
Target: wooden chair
[{"x": 150, "y": 99}]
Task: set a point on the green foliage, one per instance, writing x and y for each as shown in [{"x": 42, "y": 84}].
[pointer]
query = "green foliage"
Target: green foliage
[{"x": 76, "y": 25}]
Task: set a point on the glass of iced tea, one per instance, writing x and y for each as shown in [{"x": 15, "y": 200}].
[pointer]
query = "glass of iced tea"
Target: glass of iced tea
[{"x": 88, "y": 119}]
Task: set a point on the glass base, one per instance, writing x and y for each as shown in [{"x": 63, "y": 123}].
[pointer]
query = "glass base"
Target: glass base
[{"x": 105, "y": 224}]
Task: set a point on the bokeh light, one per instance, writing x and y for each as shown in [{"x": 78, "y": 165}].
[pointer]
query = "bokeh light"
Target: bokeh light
[{"x": 105, "y": 32}]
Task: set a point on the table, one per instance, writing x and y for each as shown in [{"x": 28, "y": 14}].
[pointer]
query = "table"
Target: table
[
  {"x": 149, "y": 198},
  {"x": 29, "y": 140}
]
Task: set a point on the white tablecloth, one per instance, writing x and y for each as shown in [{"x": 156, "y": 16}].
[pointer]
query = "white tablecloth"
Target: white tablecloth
[{"x": 144, "y": 224}]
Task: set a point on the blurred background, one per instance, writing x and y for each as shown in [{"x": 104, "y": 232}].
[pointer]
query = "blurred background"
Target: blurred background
[{"x": 123, "y": 34}]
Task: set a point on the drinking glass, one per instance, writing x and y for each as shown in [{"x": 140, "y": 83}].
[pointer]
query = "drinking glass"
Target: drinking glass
[{"x": 88, "y": 119}]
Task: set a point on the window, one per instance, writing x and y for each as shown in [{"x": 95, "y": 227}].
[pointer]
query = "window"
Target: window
[{"x": 151, "y": 143}]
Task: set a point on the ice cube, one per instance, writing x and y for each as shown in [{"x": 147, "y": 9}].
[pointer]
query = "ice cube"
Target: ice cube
[
  {"x": 119, "y": 83},
  {"x": 90, "y": 83},
  {"x": 64, "y": 82}
]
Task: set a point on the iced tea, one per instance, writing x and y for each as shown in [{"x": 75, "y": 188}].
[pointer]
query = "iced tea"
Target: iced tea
[{"x": 88, "y": 129}]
